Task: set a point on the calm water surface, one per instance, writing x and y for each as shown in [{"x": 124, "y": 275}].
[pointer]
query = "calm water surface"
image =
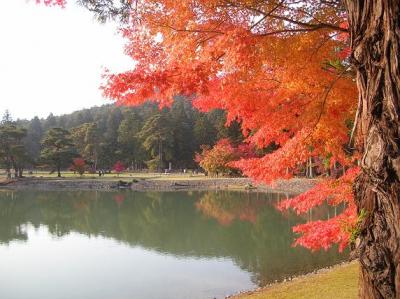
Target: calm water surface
[{"x": 132, "y": 245}]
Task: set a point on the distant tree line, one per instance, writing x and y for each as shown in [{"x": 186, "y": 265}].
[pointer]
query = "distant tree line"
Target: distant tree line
[{"x": 143, "y": 137}]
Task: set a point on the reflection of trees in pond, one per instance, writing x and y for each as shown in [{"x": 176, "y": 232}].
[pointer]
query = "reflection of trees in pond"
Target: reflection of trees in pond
[
  {"x": 258, "y": 239},
  {"x": 119, "y": 199},
  {"x": 11, "y": 226},
  {"x": 225, "y": 208}
]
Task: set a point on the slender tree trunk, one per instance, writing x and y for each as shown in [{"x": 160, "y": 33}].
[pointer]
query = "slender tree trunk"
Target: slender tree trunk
[
  {"x": 14, "y": 165},
  {"x": 8, "y": 169},
  {"x": 375, "y": 38},
  {"x": 95, "y": 162}
]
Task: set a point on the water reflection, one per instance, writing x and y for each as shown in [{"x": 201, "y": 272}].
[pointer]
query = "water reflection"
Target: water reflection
[{"x": 242, "y": 227}]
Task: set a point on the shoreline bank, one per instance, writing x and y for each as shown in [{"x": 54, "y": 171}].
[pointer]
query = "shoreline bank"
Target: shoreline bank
[
  {"x": 292, "y": 186},
  {"x": 337, "y": 281}
]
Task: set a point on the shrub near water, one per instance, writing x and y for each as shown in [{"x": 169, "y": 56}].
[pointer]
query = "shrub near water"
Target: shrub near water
[{"x": 79, "y": 165}]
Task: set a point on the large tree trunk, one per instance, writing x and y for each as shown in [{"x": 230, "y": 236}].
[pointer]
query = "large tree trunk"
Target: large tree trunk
[{"x": 375, "y": 36}]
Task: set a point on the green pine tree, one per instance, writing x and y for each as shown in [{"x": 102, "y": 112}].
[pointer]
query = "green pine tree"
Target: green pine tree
[{"x": 58, "y": 150}]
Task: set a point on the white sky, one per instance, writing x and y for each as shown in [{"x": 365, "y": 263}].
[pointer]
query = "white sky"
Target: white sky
[{"x": 52, "y": 59}]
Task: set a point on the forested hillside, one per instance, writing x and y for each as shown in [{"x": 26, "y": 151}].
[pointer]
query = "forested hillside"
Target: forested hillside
[{"x": 140, "y": 137}]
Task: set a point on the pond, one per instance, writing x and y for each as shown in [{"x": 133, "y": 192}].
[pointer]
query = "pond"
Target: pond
[{"x": 145, "y": 245}]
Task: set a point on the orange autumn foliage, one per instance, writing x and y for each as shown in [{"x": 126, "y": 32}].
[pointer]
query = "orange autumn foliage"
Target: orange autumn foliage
[
  {"x": 219, "y": 158},
  {"x": 278, "y": 67},
  {"x": 322, "y": 234}
]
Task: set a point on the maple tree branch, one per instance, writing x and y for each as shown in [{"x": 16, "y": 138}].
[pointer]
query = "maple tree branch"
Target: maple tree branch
[
  {"x": 202, "y": 41},
  {"x": 220, "y": 56},
  {"x": 107, "y": 9},
  {"x": 327, "y": 92},
  {"x": 265, "y": 15},
  {"x": 190, "y": 30},
  {"x": 319, "y": 25},
  {"x": 311, "y": 26},
  {"x": 322, "y": 43},
  {"x": 289, "y": 31}
]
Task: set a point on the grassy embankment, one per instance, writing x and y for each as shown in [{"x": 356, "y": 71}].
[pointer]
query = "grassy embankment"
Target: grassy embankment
[{"x": 339, "y": 282}]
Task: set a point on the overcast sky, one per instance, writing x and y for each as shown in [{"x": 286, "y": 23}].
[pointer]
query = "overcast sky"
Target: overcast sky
[{"x": 52, "y": 59}]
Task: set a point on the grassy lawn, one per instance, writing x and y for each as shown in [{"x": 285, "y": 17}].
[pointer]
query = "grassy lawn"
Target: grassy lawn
[{"x": 340, "y": 282}]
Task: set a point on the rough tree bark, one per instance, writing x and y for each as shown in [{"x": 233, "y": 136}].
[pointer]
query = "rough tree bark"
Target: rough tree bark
[{"x": 375, "y": 41}]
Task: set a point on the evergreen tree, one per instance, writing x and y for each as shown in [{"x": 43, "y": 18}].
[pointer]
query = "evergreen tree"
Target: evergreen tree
[
  {"x": 109, "y": 144},
  {"x": 182, "y": 123},
  {"x": 50, "y": 122},
  {"x": 33, "y": 137},
  {"x": 12, "y": 149},
  {"x": 91, "y": 141},
  {"x": 157, "y": 138},
  {"x": 86, "y": 137},
  {"x": 204, "y": 131},
  {"x": 58, "y": 149},
  {"x": 6, "y": 119},
  {"x": 131, "y": 150}
]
